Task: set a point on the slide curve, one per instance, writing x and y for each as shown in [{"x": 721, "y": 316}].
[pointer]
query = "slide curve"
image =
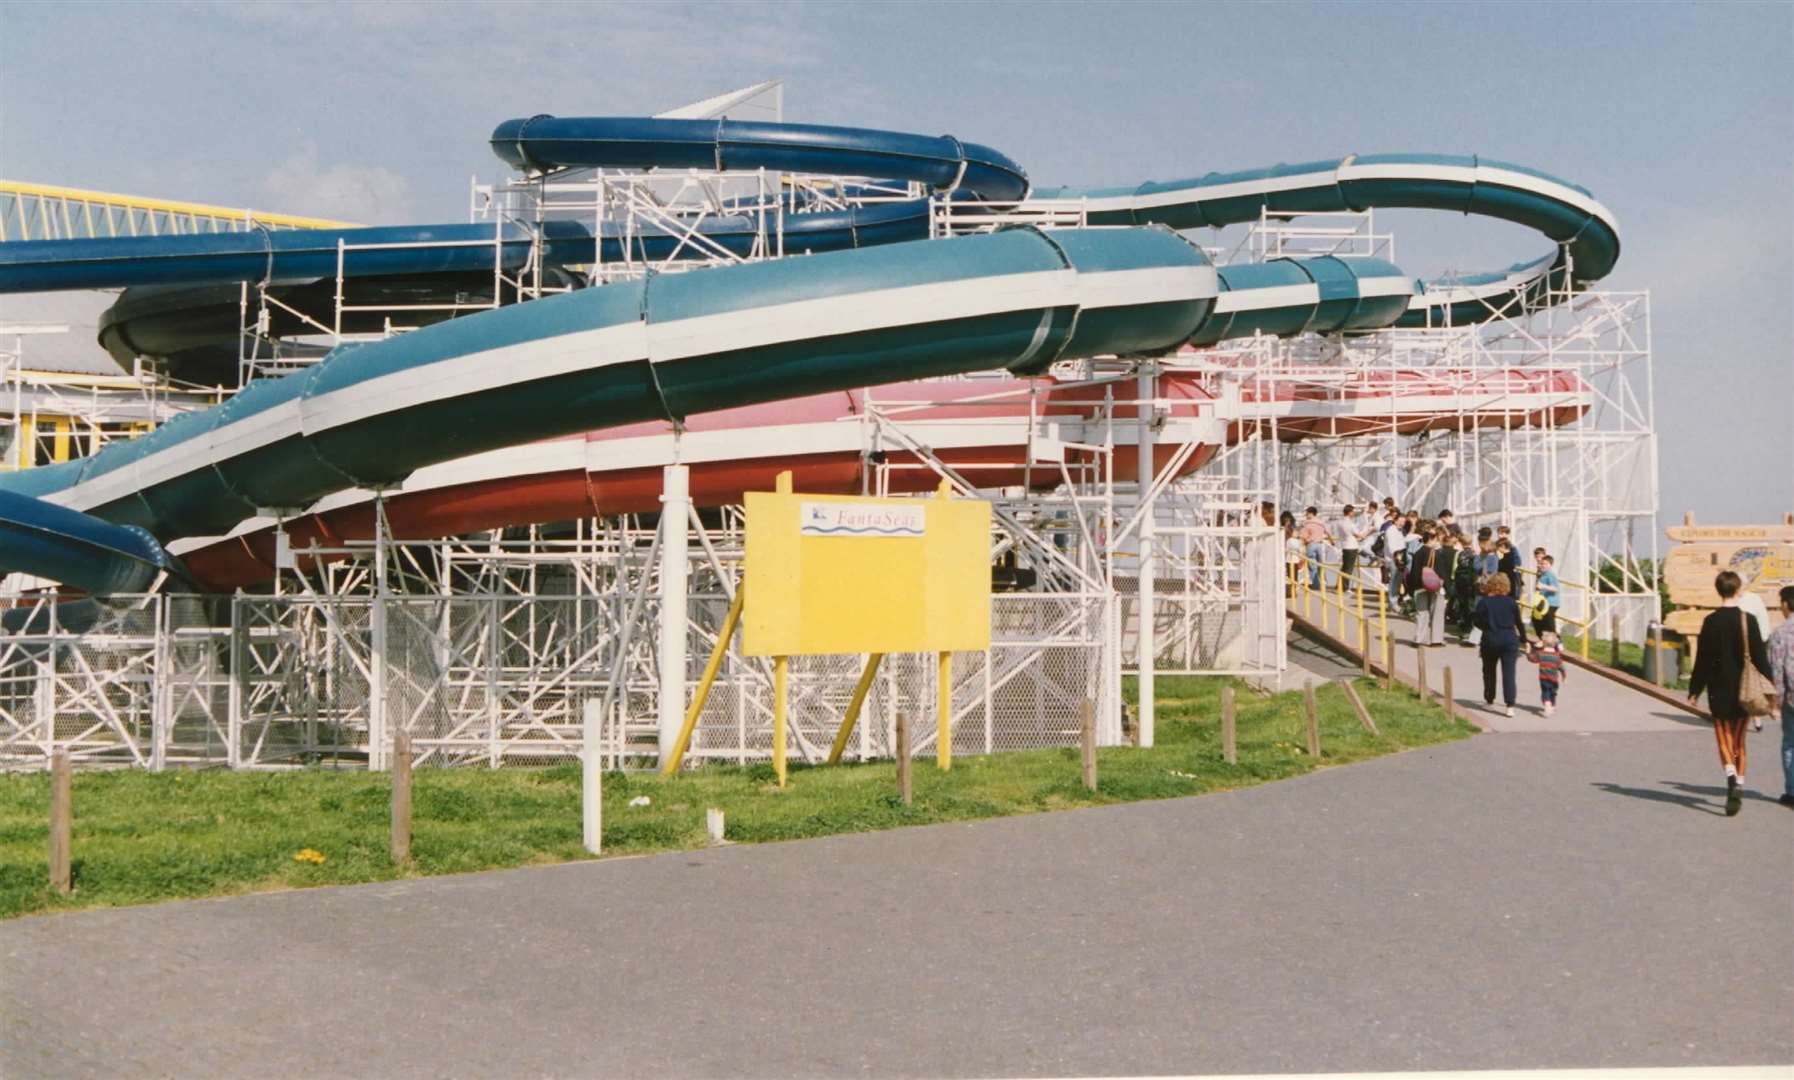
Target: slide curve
[{"x": 872, "y": 305}]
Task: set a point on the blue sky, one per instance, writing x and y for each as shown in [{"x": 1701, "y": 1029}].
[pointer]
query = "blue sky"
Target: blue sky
[{"x": 1680, "y": 117}]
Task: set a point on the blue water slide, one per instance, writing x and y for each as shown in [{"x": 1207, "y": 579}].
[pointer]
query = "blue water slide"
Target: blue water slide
[
  {"x": 943, "y": 163},
  {"x": 40, "y": 537},
  {"x": 291, "y": 256},
  {"x": 662, "y": 347},
  {"x": 1568, "y": 215}
]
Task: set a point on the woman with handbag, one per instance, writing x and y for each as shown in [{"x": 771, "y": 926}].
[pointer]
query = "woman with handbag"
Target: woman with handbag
[
  {"x": 1731, "y": 664},
  {"x": 1426, "y": 584}
]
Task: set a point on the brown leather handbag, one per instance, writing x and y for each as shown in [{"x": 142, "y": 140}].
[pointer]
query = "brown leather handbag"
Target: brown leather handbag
[{"x": 1756, "y": 694}]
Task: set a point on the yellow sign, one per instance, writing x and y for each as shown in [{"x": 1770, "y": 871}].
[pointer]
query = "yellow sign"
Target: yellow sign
[{"x": 841, "y": 574}]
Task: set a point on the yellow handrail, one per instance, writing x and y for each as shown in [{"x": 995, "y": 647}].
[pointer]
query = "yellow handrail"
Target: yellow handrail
[
  {"x": 1586, "y": 624},
  {"x": 165, "y": 206},
  {"x": 1314, "y": 603}
]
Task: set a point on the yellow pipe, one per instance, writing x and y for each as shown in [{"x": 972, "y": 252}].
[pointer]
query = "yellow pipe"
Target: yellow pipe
[
  {"x": 943, "y": 710},
  {"x": 1363, "y": 626},
  {"x": 671, "y": 765},
  {"x": 853, "y": 707},
  {"x": 781, "y": 669},
  {"x": 168, "y": 206}
]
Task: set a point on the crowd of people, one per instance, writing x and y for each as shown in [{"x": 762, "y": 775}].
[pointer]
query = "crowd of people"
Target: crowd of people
[
  {"x": 1452, "y": 580},
  {"x": 1449, "y": 580}
]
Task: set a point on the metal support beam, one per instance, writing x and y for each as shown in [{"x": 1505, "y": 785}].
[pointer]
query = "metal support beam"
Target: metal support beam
[
  {"x": 675, "y": 509},
  {"x": 1147, "y": 649}
]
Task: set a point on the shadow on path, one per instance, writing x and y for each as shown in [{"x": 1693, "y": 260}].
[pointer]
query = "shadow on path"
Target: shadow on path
[
  {"x": 1706, "y": 799},
  {"x": 1680, "y": 717},
  {"x": 1750, "y": 795},
  {"x": 1692, "y": 802}
]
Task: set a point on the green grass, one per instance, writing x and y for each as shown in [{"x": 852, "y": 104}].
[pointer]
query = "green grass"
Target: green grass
[
  {"x": 1600, "y": 651},
  {"x": 141, "y": 837}
]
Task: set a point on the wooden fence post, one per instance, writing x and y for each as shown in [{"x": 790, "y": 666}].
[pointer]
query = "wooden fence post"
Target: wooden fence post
[
  {"x": 1388, "y": 661},
  {"x": 1451, "y": 705},
  {"x": 1420, "y": 668},
  {"x": 1364, "y": 649},
  {"x": 1364, "y": 717},
  {"x": 1087, "y": 741},
  {"x": 1613, "y": 642},
  {"x": 61, "y": 810},
  {"x": 1314, "y": 719},
  {"x": 902, "y": 749},
  {"x": 401, "y": 797},
  {"x": 1230, "y": 751}
]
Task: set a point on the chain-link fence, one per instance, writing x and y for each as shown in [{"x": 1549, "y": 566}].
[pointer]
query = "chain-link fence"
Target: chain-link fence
[{"x": 286, "y": 681}]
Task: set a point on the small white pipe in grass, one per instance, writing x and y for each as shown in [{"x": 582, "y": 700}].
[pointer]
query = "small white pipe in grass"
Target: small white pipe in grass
[{"x": 713, "y": 820}]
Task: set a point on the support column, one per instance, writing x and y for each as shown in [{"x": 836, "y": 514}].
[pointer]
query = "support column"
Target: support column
[
  {"x": 675, "y": 512},
  {"x": 378, "y": 737},
  {"x": 1147, "y": 648}
]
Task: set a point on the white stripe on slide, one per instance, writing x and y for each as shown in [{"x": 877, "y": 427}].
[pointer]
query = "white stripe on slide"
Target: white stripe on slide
[
  {"x": 475, "y": 373},
  {"x": 1275, "y": 296},
  {"x": 874, "y": 309},
  {"x": 472, "y": 373},
  {"x": 1385, "y": 286},
  {"x": 1237, "y": 189},
  {"x": 1149, "y": 285},
  {"x": 1465, "y": 174},
  {"x": 1528, "y": 182}
]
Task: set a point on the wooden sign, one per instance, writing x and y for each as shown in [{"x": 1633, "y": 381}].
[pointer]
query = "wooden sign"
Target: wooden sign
[{"x": 1763, "y": 555}]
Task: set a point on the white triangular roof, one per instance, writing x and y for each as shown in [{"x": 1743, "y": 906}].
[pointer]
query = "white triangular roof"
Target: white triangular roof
[{"x": 762, "y": 101}]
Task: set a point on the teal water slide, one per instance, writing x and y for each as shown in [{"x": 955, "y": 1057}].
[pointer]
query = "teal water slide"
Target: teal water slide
[{"x": 870, "y": 305}]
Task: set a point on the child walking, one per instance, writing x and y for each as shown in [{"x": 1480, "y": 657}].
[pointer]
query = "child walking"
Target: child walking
[{"x": 1549, "y": 656}]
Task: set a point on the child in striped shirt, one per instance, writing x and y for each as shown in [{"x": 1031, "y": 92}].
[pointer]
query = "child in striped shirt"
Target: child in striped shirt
[{"x": 1549, "y": 657}]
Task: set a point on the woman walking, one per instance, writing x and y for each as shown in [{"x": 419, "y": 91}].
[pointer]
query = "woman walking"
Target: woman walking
[
  {"x": 1498, "y": 617},
  {"x": 1729, "y": 640},
  {"x": 1426, "y": 582}
]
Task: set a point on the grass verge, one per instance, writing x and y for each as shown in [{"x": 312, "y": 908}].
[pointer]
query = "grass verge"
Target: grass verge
[
  {"x": 1600, "y": 651},
  {"x": 142, "y": 837}
]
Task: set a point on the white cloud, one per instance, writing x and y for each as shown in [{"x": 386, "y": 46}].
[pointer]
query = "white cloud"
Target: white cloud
[{"x": 366, "y": 194}]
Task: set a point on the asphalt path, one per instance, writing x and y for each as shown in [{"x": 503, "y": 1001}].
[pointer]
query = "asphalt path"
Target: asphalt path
[{"x": 1514, "y": 900}]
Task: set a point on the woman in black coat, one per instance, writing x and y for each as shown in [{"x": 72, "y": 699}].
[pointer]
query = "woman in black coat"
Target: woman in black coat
[
  {"x": 1498, "y": 617},
  {"x": 1727, "y": 637}
]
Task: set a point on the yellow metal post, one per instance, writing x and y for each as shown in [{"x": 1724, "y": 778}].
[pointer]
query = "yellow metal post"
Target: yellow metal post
[
  {"x": 943, "y": 708},
  {"x": 1363, "y": 627},
  {"x": 781, "y": 668},
  {"x": 27, "y": 449},
  {"x": 671, "y": 765},
  {"x": 853, "y": 707}
]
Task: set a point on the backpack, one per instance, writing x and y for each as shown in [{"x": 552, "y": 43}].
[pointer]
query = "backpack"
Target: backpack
[{"x": 1378, "y": 547}]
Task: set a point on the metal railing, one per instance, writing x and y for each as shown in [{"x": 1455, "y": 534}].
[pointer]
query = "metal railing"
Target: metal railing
[
  {"x": 51, "y": 212},
  {"x": 1342, "y": 605},
  {"x": 1586, "y": 623}
]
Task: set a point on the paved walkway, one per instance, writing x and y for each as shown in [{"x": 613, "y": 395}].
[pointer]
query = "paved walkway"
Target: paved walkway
[
  {"x": 1508, "y": 901},
  {"x": 1586, "y": 703}
]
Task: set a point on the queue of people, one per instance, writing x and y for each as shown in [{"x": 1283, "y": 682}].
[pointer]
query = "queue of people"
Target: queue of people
[{"x": 1473, "y": 583}]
